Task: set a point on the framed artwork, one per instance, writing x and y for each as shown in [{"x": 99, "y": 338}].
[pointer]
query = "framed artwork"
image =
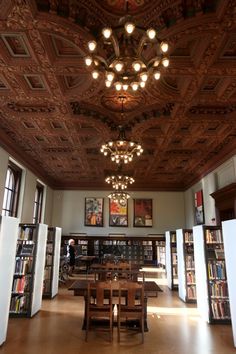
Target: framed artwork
[
  {"x": 118, "y": 213},
  {"x": 199, "y": 210},
  {"x": 93, "y": 212},
  {"x": 143, "y": 212}
]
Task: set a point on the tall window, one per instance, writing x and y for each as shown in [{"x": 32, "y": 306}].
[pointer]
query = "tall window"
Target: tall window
[
  {"x": 12, "y": 190},
  {"x": 38, "y": 203}
]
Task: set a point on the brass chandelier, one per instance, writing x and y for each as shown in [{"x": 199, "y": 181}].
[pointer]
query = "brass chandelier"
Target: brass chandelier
[
  {"x": 121, "y": 149},
  {"x": 127, "y": 56},
  {"x": 119, "y": 196},
  {"x": 119, "y": 181}
]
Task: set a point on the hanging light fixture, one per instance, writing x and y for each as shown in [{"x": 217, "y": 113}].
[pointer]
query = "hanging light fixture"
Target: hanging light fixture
[
  {"x": 121, "y": 149},
  {"x": 127, "y": 56},
  {"x": 119, "y": 181},
  {"x": 119, "y": 196}
]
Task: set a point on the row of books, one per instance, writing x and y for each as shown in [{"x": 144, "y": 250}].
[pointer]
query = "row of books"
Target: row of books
[
  {"x": 46, "y": 286},
  {"x": 191, "y": 292},
  {"x": 189, "y": 262},
  {"x": 19, "y": 304},
  {"x": 25, "y": 248},
  {"x": 216, "y": 269},
  {"x": 188, "y": 237},
  {"x": 23, "y": 265},
  {"x": 47, "y": 272},
  {"x": 218, "y": 289},
  {"x": 220, "y": 309},
  {"x": 26, "y": 233},
  {"x": 190, "y": 277},
  {"x": 214, "y": 236},
  {"x": 48, "y": 260},
  {"x": 20, "y": 285},
  {"x": 49, "y": 248}
]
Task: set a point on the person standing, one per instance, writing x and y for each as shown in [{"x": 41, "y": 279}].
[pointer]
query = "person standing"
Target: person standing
[{"x": 71, "y": 255}]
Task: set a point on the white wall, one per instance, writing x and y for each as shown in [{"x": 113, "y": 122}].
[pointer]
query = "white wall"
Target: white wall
[
  {"x": 68, "y": 212},
  {"x": 219, "y": 178}
]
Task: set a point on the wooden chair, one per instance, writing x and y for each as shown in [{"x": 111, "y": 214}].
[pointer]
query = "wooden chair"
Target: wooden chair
[
  {"x": 132, "y": 293},
  {"x": 99, "y": 305}
]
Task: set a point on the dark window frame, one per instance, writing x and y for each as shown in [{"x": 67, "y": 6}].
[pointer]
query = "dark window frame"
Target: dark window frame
[
  {"x": 38, "y": 203},
  {"x": 12, "y": 190}
]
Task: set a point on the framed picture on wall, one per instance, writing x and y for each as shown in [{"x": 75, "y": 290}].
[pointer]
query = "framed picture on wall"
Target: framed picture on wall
[
  {"x": 93, "y": 212},
  {"x": 118, "y": 213},
  {"x": 143, "y": 212},
  {"x": 199, "y": 210}
]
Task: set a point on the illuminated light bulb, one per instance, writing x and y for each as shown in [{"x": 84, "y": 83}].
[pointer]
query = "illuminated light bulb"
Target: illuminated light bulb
[
  {"x": 113, "y": 158},
  {"x": 119, "y": 66},
  {"x": 138, "y": 153},
  {"x": 141, "y": 150},
  {"x": 164, "y": 47},
  {"x": 157, "y": 75},
  {"x": 110, "y": 76},
  {"x": 151, "y": 33},
  {"x": 88, "y": 61},
  {"x": 136, "y": 66},
  {"x": 165, "y": 62},
  {"x": 144, "y": 76},
  {"x": 118, "y": 86},
  {"x": 107, "y": 32},
  {"x": 108, "y": 83},
  {"x": 126, "y": 161},
  {"x": 125, "y": 87},
  {"x": 110, "y": 143},
  {"x": 92, "y": 45},
  {"x": 95, "y": 74},
  {"x": 156, "y": 63},
  {"x": 129, "y": 27},
  {"x": 142, "y": 84},
  {"x": 105, "y": 153},
  {"x": 139, "y": 147},
  {"x": 134, "y": 86},
  {"x": 131, "y": 143}
]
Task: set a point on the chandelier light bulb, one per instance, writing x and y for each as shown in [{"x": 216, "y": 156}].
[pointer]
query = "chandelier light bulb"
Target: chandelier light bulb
[
  {"x": 95, "y": 74},
  {"x": 119, "y": 66},
  {"x": 134, "y": 86},
  {"x": 118, "y": 86},
  {"x": 110, "y": 76},
  {"x": 107, "y": 32},
  {"x": 88, "y": 61},
  {"x": 129, "y": 27},
  {"x": 165, "y": 62},
  {"x": 125, "y": 87},
  {"x": 92, "y": 45},
  {"x": 151, "y": 33},
  {"x": 144, "y": 77},
  {"x": 108, "y": 83},
  {"x": 157, "y": 75},
  {"x": 136, "y": 66},
  {"x": 142, "y": 84},
  {"x": 156, "y": 63},
  {"x": 164, "y": 47}
]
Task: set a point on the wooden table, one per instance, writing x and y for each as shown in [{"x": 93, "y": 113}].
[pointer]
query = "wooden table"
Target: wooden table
[{"x": 80, "y": 289}]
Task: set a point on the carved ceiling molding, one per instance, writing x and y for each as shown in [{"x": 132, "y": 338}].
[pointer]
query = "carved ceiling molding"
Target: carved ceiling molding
[
  {"x": 30, "y": 109},
  {"x": 210, "y": 110}
]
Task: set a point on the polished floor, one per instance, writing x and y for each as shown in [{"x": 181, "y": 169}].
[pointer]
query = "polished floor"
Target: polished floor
[{"x": 174, "y": 327}]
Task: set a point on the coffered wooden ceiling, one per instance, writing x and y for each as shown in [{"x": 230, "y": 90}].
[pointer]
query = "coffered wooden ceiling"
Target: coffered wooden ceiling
[{"x": 54, "y": 117}]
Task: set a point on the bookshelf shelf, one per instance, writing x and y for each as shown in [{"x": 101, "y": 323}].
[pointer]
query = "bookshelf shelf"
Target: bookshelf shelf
[
  {"x": 27, "y": 287},
  {"x": 171, "y": 260},
  {"x": 229, "y": 233},
  {"x": 8, "y": 241},
  {"x": 52, "y": 259},
  {"x": 211, "y": 280},
  {"x": 186, "y": 265}
]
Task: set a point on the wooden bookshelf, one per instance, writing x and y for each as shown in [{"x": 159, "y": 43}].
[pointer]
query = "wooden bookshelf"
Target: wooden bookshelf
[
  {"x": 137, "y": 249},
  {"x": 27, "y": 286},
  {"x": 8, "y": 240},
  {"x": 186, "y": 265},
  {"x": 171, "y": 260},
  {"x": 211, "y": 280},
  {"x": 161, "y": 254},
  {"x": 229, "y": 238},
  {"x": 52, "y": 262}
]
